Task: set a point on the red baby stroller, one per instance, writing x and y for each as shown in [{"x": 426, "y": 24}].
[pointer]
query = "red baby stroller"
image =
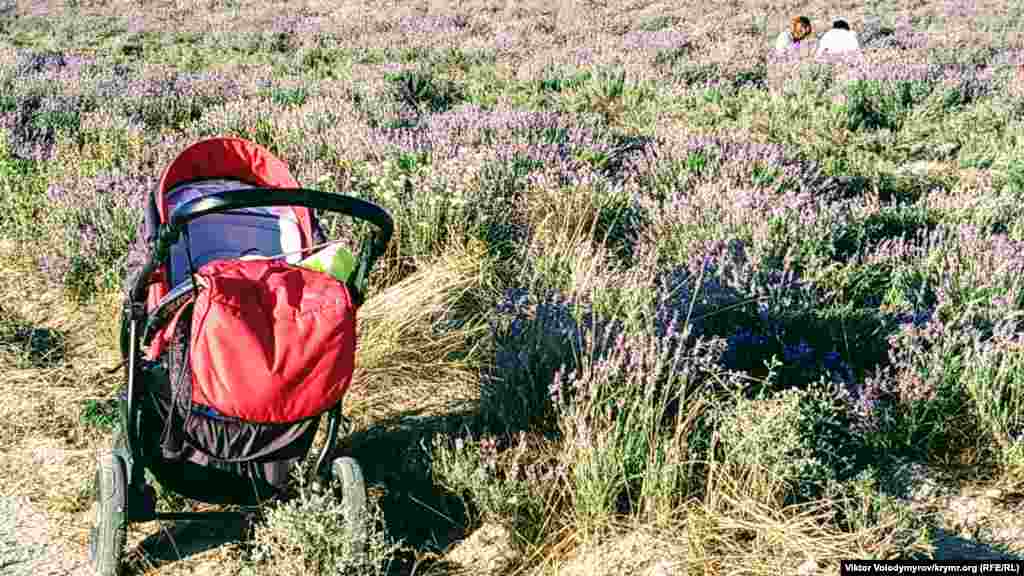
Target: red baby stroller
[{"x": 231, "y": 361}]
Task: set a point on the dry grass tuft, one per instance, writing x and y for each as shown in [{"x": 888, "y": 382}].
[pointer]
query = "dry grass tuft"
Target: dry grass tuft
[
  {"x": 53, "y": 357},
  {"x": 633, "y": 549},
  {"x": 417, "y": 341},
  {"x": 740, "y": 528}
]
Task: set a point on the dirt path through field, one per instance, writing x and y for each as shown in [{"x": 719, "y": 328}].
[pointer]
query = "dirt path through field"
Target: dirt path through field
[
  {"x": 35, "y": 541},
  {"x": 25, "y": 539},
  {"x": 45, "y": 533}
]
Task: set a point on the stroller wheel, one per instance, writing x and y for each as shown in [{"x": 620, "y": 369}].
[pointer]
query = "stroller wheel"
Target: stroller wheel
[
  {"x": 349, "y": 476},
  {"x": 107, "y": 538}
]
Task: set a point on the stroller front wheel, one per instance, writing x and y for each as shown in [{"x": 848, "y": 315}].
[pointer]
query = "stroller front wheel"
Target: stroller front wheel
[
  {"x": 107, "y": 538},
  {"x": 349, "y": 476}
]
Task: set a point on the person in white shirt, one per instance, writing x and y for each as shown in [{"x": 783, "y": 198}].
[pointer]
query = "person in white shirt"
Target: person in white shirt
[
  {"x": 799, "y": 30},
  {"x": 839, "y": 40}
]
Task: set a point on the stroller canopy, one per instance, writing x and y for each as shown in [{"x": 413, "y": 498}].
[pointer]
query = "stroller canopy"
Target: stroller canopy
[
  {"x": 231, "y": 159},
  {"x": 216, "y": 165}
]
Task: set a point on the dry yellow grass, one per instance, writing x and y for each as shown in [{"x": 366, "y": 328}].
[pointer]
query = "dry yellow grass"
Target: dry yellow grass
[
  {"x": 48, "y": 453},
  {"x": 406, "y": 360},
  {"x": 58, "y": 357},
  {"x": 742, "y": 528}
]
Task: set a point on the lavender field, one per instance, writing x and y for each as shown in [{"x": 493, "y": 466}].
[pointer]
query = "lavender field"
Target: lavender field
[{"x": 660, "y": 301}]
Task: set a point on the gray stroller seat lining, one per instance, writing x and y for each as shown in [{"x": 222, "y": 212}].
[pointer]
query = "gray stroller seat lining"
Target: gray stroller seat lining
[{"x": 265, "y": 232}]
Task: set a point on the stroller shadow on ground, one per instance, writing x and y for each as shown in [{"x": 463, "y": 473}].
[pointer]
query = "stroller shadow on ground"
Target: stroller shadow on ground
[
  {"x": 394, "y": 455},
  {"x": 176, "y": 541}
]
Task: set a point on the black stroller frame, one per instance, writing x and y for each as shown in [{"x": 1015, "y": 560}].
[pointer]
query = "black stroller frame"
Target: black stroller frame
[{"x": 123, "y": 493}]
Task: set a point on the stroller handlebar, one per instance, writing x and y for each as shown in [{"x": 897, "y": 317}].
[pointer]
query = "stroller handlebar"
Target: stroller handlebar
[{"x": 263, "y": 197}]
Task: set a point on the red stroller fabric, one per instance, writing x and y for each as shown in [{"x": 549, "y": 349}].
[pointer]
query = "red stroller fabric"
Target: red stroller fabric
[
  {"x": 270, "y": 342},
  {"x": 222, "y": 157}
]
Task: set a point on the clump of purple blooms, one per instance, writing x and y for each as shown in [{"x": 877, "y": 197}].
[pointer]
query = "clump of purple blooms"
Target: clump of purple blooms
[
  {"x": 98, "y": 218},
  {"x": 537, "y": 335},
  {"x": 162, "y": 98},
  {"x": 40, "y": 102}
]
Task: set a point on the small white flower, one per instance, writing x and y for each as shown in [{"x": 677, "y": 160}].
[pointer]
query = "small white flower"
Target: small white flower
[{"x": 808, "y": 567}]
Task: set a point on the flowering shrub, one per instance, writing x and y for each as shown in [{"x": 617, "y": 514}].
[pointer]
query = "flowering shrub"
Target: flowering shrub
[
  {"x": 628, "y": 422},
  {"x": 501, "y": 484},
  {"x": 533, "y": 338},
  {"x": 993, "y": 380},
  {"x": 800, "y": 438},
  {"x": 313, "y": 531},
  {"x": 665, "y": 45},
  {"x": 97, "y": 219},
  {"x": 954, "y": 304},
  {"x": 34, "y": 116}
]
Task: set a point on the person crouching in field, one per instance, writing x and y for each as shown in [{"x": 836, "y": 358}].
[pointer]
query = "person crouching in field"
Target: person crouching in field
[
  {"x": 791, "y": 47},
  {"x": 839, "y": 40},
  {"x": 799, "y": 30}
]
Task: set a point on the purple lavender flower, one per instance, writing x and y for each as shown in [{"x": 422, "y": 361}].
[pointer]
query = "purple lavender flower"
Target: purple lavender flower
[
  {"x": 169, "y": 98},
  {"x": 29, "y": 62},
  {"x": 800, "y": 353},
  {"x": 555, "y": 389},
  {"x": 832, "y": 360},
  {"x": 100, "y": 217},
  {"x": 742, "y": 347}
]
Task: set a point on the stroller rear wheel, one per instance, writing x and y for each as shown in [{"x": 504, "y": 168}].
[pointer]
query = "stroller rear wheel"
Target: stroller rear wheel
[
  {"x": 107, "y": 538},
  {"x": 349, "y": 476}
]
